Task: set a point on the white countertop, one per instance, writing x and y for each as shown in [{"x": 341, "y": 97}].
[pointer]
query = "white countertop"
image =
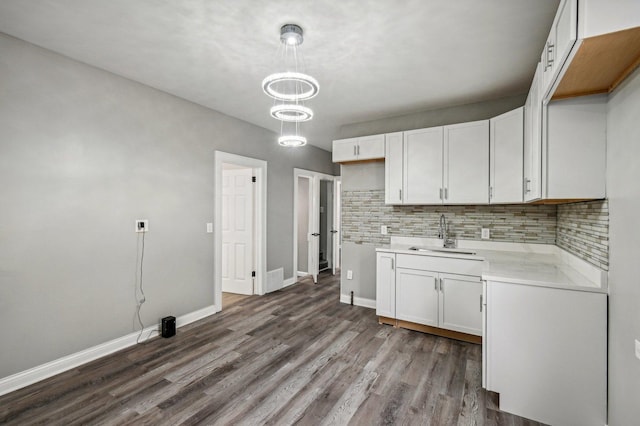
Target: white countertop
[{"x": 527, "y": 264}]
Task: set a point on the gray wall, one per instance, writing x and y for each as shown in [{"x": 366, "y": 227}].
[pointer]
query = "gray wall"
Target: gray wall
[
  {"x": 83, "y": 153},
  {"x": 623, "y": 175},
  {"x": 436, "y": 117}
]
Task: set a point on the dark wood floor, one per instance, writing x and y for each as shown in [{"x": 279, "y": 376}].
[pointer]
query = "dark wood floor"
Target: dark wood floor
[{"x": 296, "y": 356}]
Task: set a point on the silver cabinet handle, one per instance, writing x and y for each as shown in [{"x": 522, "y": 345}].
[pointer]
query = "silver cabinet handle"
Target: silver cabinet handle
[
  {"x": 435, "y": 284},
  {"x": 446, "y": 193},
  {"x": 550, "y": 55},
  {"x": 526, "y": 185},
  {"x": 480, "y": 303},
  {"x": 392, "y": 263},
  {"x": 490, "y": 192},
  {"x": 441, "y": 193},
  {"x": 355, "y": 150},
  {"x": 441, "y": 285},
  {"x": 400, "y": 194}
]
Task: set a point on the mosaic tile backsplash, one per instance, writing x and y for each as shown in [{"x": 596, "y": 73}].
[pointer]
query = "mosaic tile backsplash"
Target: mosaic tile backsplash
[
  {"x": 583, "y": 229},
  {"x": 580, "y": 228}
]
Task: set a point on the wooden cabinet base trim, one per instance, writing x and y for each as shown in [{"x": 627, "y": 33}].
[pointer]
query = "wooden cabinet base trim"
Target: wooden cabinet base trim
[{"x": 431, "y": 330}]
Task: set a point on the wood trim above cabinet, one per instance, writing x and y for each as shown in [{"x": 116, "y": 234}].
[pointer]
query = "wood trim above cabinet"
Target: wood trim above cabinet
[{"x": 600, "y": 64}]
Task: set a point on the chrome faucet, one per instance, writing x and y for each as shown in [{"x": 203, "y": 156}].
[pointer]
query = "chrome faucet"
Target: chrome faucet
[{"x": 443, "y": 233}]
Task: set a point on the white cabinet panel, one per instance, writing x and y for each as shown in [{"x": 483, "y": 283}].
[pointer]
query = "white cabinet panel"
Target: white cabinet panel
[
  {"x": 370, "y": 147},
  {"x": 466, "y": 163},
  {"x": 506, "y": 157},
  {"x": 460, "y": 303},
  {"x": 385, "y": 285},
  {"x": 393, "y": 168},
  {"x": 532, "y": 139},
  {"x": 345, "y": 150},
  {"x": 423, "y": 166},
  {"x": 547, "y": 353},
  {"x": 357, "y": 149},
  {"x": 417, "y": 296}
]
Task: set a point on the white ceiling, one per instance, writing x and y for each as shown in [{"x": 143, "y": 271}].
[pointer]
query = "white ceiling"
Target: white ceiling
[{"x": 373, "y": 59}]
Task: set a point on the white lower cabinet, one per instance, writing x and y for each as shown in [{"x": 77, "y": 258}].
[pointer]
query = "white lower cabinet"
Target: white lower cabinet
[
  {"x": 417, "y": 296},
  {"x": 426, "y": 290},
  {"x": 546, "y": 352}
]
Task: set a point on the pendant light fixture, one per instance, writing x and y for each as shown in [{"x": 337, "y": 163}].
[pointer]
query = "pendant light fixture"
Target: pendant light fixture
[{"x": 291, "y": 88}]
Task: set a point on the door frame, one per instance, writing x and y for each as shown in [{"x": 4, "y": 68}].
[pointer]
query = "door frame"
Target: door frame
[
  {"x": 260, "y": 221},
  {"x": 311, "y": 175}
]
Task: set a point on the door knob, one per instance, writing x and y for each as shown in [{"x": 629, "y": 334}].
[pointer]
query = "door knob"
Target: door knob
[
  {"x": 333, "y": 231},
  {"x": 315, "y": 234}
]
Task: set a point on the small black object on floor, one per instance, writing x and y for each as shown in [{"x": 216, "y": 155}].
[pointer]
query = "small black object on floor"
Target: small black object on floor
[{"x": 168, "y": 326}]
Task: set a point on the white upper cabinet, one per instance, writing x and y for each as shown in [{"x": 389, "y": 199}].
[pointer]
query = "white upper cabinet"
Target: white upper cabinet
[
  {"x": 393, "y": 158},
  {"x": 532, "y": 139},
  {"x": 358, "y": 149},
  {"x": 562, "y": 37},
  {"x": 466, "y": 163},
  {"x": 422, "y": 166},
  {"x": 506, "y": 157}
]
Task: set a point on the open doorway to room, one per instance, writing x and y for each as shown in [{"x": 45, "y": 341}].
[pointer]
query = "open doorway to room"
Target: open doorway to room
[
  {"x": 316, "y": 223},
  {"x": 239, "y": 228}
]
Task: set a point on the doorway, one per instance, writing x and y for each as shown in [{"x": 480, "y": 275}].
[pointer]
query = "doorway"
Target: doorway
[
  {"x": 316, "y": 224},
  {"x": 239, "y": 240}
]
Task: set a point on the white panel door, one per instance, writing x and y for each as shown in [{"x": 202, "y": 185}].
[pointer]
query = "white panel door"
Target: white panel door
[
  {"x": 314, "y": 228},
  {"x": 370, "y": 147},
  {"x": 237, "y": 231},
  {"x": 386, "y": 285},
  {"x": 345, "y": 150},
  {"x": 417, "y": 296},
  {"x": 461, "y": 303},
  {"x": 532, "y": 139},
  {"x": 422, "y": 166},
  {"x": 393, "y": 168},
  {"x": 466, "y": 163},
  {"x": 506, "y": 154}
]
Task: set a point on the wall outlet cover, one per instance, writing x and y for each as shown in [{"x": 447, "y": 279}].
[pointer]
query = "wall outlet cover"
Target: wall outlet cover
[
  {"x": 142, "y": 225},
  {"x": 209, "y": 228},
  {"x": 637, "y": 348},
  {"x": 383, "y": 229},
  {"x": 485, "y": 233},
  {"x": 349, "y": 274}
]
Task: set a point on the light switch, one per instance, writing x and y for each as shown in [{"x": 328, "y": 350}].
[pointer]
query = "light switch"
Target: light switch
[
  {"x": 349, "y": 274},
  {"x": 209, "y": 228},
  {"x": 485, "y": 233}
]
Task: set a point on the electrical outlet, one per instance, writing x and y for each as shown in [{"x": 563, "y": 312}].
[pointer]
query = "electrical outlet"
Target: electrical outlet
[
  {"x": 637, "y": 348},
  {"x": 142, "y": 225},
  {"x": 383, "y": 229},
  {"x": 485, "y": 233},
  {"x": 209, "y": 228},
  {"x": 349, "y": 274}
]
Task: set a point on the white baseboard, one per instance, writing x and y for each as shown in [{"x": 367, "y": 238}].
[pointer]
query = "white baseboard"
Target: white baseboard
[
  {"x": 358, "y": 301},
  {"x": 60, "y": 365},
  {"x": 289, "y": 281}
]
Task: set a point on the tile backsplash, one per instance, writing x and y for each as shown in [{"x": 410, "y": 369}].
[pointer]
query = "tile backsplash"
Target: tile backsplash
[
  {"x": 580, "y": 228},
  {"x": 363, "y": 212},
  {"x": 583, "y": 229}
]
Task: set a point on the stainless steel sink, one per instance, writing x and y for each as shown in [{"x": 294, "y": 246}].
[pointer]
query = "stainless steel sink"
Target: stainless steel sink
[{"x": 443, "y": 250}]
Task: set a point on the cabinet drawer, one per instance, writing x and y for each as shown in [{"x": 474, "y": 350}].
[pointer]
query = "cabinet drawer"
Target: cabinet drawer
[{"x": 440, "y": 264}]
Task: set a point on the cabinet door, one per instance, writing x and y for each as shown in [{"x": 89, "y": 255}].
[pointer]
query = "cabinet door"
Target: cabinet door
[
  {"x": 532, "y": 140},
  {"x": 461, "y": 303},
  {"x": 466, "y": 163},
  {"x": 393, "y": 168},
  {"x": 506, "y": 157},
  {"x": 345, "y": 150},
  {"x": 417, "y": 296},
  {"x": 565, "y": 32},
  {"x": 385, "y": 285},
  {"x": 423, "y": 166},
  {"x": 370, "y": 147}
]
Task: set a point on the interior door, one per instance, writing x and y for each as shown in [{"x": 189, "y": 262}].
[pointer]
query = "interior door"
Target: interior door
[
  {"x": 314, "y": 234},
  {"x": 237, "y": 230},
  {"x": 335, "y": 231}
]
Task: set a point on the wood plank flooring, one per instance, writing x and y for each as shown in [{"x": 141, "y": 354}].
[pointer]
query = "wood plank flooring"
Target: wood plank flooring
[{"x": 296, "y": 356}]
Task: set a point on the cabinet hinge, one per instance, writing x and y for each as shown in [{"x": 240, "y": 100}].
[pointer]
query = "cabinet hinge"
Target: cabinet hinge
[
  {"x": 253, "y": 274},
  {"x": 253, "y": 179}
]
